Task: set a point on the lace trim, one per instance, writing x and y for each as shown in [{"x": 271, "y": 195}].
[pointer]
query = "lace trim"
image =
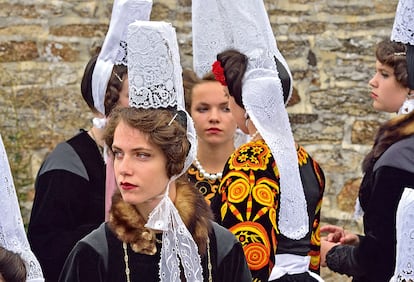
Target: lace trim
[
  {"x": 114, "y": 48},
  {"x": 404, "y": 266},
  {"x": 403, "y": 29},
  {"x": 12, "y": 233},
  {"x": 178, "y": 245},
  {"x": 151, "y": 76},
  {"x": 155, "y": 81}
]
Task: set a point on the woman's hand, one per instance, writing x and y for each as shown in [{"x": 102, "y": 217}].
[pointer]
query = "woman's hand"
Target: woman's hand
[{"x": 337, "y": 234}]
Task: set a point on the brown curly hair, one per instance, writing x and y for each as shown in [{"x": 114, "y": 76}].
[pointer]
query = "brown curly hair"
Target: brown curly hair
[
  {"x": 390, "y": 53},
  {"x": 170, "y": 138},
  {"x": 114, "y": 87}
]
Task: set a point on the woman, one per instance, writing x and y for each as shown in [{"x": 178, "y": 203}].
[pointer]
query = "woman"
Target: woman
[
  {"x": 70, "y": 186},
  {"x": 148, "y": 151},
  {"x": 208, "y": 106},
  {"x": 249, "y": 196},
  {"x": 160, "y": 228},
  {"x": 388, "y": 169}
]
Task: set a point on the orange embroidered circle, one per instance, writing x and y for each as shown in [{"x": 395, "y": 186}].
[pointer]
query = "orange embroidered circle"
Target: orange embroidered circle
[
  {"x": 238, "y": 191},
  {"x": 256, "y": 256},
  {"x": 255, "y": 242},
  {"x": 263, "y": 195}
]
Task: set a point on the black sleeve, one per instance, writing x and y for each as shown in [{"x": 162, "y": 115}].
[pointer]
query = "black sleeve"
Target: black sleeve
[
  {"x": 234, "y": 267},
  {"x": 342, "y": 259},
  {"x": 84, "y": 264},
  {"x": 374, "y": 257}
]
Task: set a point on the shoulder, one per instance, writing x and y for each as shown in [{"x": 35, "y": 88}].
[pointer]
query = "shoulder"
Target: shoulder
[
  {"x": 223, "y": 235},
  {"x": 254, "y": 155},
  {"x": 65, "y": 157},
  {"x": 97, "y": 237},
  {"x": 399, "y": 155},
  {"x": 225, "y": 241}
]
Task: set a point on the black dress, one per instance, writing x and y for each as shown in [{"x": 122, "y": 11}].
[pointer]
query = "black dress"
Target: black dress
[{"x": 69, "y": 202}]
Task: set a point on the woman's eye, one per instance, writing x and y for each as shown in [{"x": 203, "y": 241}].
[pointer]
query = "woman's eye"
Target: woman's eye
[
  {"x": 226, "y": 109},
  {"x": 117, "y": 154},
  {"x": 143, "y": 155},
  {"x": 385, "y": 74},
  {"x": 202, "y": 109}
]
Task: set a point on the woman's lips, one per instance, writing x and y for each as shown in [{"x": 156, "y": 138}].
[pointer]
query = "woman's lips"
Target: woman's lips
[
  {"x": 213, "y": 130},
  {"x": 127, "y": 186}
]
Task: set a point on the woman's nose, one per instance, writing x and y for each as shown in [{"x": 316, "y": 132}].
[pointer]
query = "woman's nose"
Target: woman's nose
[
  {"x": 214, "y": 116},
  {"x": 123, "y": 166}
]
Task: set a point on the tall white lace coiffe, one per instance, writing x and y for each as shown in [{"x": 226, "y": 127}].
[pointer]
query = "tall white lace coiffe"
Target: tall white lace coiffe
[
  {"x": 155, "y": 82},
  {"x": 244, "y": 25},
  {"x": 12, "y": 232},
  {"x": 114, "y": 48},
  {"x": 403, "y": 28}
]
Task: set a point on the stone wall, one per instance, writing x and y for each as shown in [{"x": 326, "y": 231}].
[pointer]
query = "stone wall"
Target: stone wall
[{"x": 329, "y": 45}]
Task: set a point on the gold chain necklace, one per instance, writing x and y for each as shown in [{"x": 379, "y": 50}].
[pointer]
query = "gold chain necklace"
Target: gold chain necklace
[{"x": 128, "y": 272}]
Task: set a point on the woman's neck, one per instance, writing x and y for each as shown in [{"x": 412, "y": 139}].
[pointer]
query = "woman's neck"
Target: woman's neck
[
  {"x": 213, "y": 158},
  {"x": 97, "y": 135}
]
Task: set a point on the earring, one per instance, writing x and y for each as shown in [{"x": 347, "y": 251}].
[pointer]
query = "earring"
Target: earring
[{"x": 408, "y": 105}]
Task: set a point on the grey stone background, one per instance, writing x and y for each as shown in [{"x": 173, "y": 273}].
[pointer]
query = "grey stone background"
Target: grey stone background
[{"x": 329, "y": 45}]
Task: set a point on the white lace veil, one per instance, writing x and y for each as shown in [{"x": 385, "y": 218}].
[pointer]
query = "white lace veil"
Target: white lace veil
[
  {"x": 208, "y": 40},
  {"x": 404, "y": 265},
  {"x": 114, "y": 48},
  {"x": 246, "y": 28},
  {"x": 155, "y": 81},
  {"x": 12, "y": 233}
]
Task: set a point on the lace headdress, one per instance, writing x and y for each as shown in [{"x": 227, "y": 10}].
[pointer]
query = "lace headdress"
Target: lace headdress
[
  {"x": 209, "y": 39},
  {"x": 12, "y": 232},
  {"x": 403, "y": 31},
  {"x": 114, "y": 48},
  {"x": 155, "y": 81},
  {"x": 246, "y": 28}
]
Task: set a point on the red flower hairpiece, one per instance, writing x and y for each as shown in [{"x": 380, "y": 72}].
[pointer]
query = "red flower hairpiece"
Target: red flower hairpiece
[{"x": 218, "y": 72}]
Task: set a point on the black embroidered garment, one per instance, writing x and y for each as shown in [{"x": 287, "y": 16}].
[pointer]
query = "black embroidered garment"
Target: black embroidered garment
[{"x": 248, "y": 205}]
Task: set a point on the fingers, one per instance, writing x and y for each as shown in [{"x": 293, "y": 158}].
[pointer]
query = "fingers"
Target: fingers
[{"x": 330, "y": 228}]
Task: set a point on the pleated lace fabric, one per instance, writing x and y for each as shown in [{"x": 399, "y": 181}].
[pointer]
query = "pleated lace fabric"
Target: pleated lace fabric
[
  {"x": 12, "y": 232},
  {"x": 404, "y": 266}
]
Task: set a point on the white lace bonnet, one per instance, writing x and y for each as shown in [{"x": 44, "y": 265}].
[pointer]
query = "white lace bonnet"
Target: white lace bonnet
[
  {"x": 244, "y": 25},
  {"x": 403, "y": 31},
  {"x": 113, "y": 50},
  {"x": 403, "y": 28},
  {"x": 12, "y": 232},
  {"x": 155, "y": 81}
]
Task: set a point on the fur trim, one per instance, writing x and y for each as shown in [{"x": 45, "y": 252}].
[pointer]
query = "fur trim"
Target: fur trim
[
  {"x": 389, "y": 133},
  {"x": 128, "y": 224}
]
